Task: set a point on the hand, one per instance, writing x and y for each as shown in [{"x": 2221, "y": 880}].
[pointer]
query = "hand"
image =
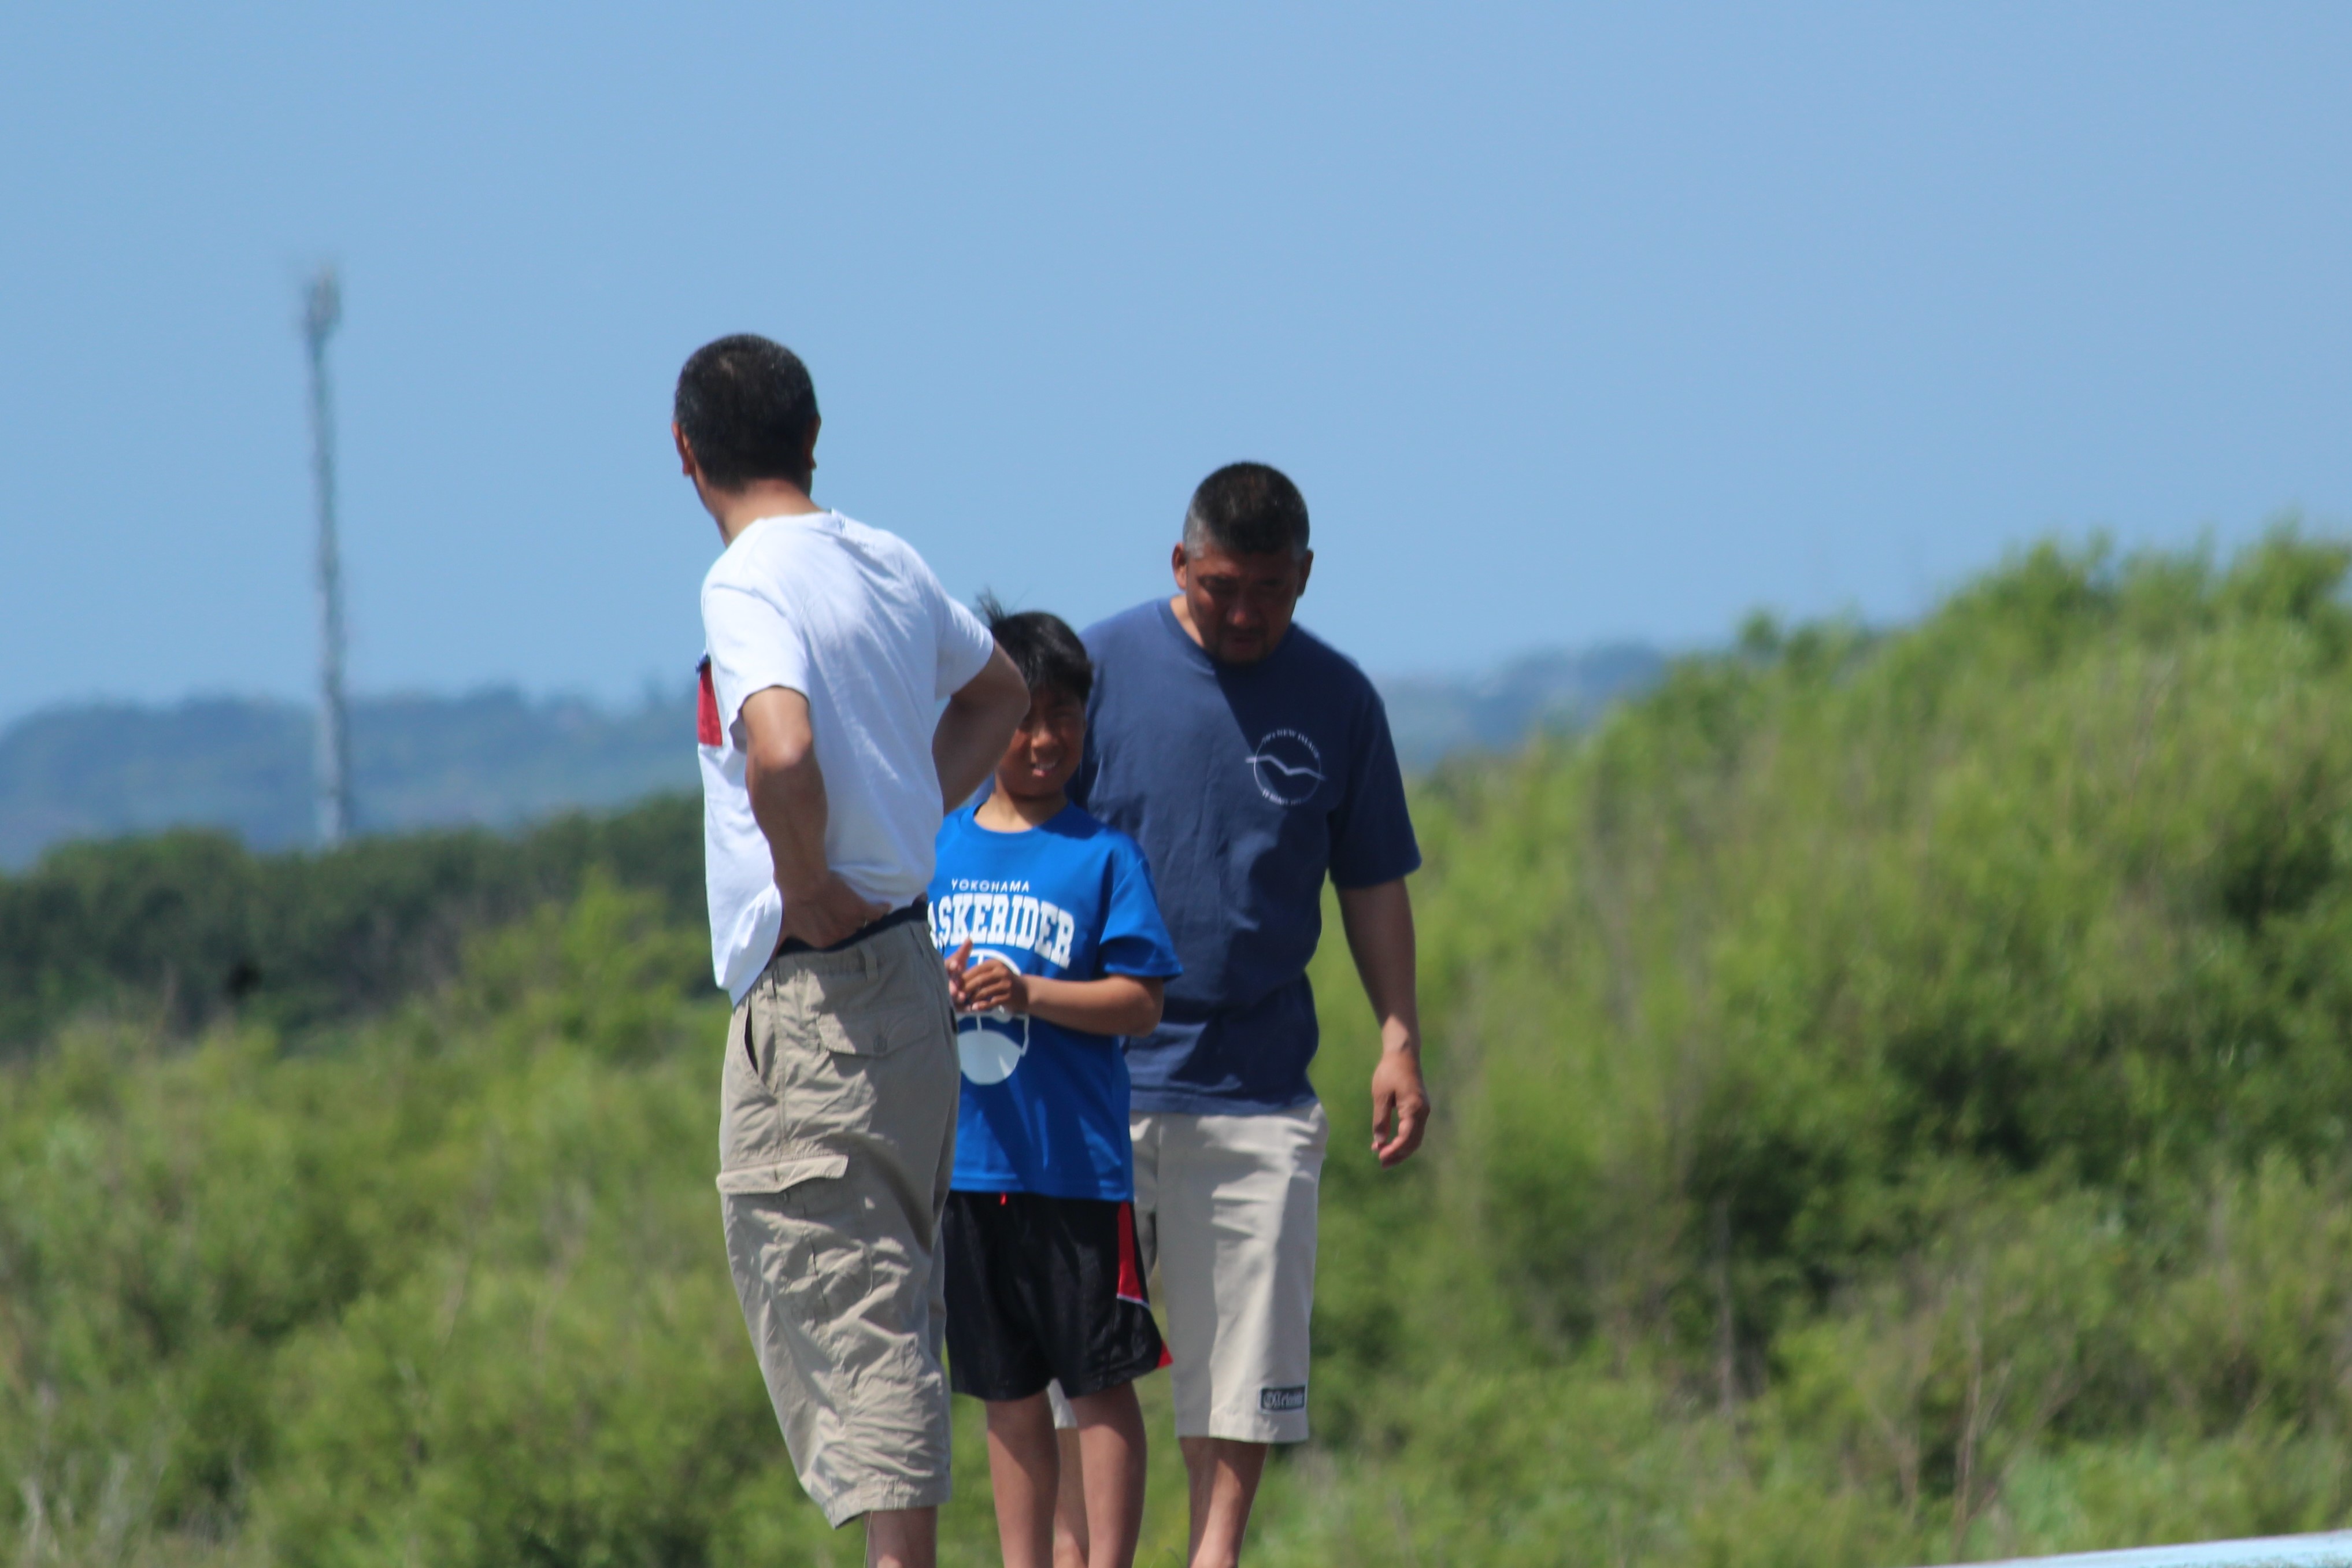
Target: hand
[
  {"x": 1400, "y": 1105},
  {"x": 826, "y": 913},
  {"x": 961, "y": 975},
  {"x": 995, "y": 986}
]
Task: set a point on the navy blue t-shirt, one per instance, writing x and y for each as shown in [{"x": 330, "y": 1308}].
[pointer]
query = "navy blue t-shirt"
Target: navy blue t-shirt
[
  {"x": 1246, "y": 784},
  {"x": 1045, "y": 1108}
]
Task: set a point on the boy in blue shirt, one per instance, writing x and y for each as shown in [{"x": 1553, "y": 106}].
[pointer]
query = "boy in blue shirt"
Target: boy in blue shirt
[{"x": 1056, "y": 949}]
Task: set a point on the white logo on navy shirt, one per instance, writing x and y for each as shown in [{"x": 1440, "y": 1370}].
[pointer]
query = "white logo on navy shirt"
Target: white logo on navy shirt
[{"x": 1287, "y": 767}]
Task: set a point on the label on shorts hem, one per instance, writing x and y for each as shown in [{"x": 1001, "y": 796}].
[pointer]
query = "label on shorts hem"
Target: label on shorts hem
[{"x": 1291, "y": 1398}]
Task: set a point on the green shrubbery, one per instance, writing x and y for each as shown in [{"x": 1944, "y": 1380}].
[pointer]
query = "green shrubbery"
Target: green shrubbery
[
  {"x": 189, "y": 926},
  {"x": 1894, "y": 1098},
  {"x": 1920, "y": 1063}
]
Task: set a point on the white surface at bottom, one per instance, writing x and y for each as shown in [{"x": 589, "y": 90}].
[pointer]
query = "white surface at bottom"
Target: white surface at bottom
[{"x": 2332, "y": 1551}]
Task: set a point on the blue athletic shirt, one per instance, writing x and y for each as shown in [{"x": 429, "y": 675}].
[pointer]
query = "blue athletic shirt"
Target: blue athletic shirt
[
  {"x": 1246, "y": 784},
  {"x": 1045, "y": 1108}
]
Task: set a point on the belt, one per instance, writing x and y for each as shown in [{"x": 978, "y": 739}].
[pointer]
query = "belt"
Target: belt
[{"x": 915, "y": 911}]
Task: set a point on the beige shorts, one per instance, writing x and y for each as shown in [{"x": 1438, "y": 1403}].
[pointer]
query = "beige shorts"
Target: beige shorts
[
  {"x": 836, "y": 1138},
  {"x": 1224, "y": 1216}
]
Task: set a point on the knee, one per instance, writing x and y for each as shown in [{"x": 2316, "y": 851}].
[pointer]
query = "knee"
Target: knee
[{"x": 1023, "y": 1424}]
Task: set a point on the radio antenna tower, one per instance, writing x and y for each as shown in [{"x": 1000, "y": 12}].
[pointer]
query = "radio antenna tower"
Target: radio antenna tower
[{"x": 323, "y": 309}]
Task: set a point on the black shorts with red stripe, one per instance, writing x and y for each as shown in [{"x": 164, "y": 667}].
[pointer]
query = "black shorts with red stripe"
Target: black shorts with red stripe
[{"x": 1045, "y": 1287}]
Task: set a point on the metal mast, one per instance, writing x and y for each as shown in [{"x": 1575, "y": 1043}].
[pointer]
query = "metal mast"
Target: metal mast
[{"x": 323, "y": 309}]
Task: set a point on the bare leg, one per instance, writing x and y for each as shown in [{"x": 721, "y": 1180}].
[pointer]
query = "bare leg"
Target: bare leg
[
  {"x": 902, "y": 1538},
  {"x": 1070, "y": 1502},
  {"x": 1224, "y": 1474},
  {"x": 1110, "y": 1435},
  {"x": 1023, "y": 1470}
]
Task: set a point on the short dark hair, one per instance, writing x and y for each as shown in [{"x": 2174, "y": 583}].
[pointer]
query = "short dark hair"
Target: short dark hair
[
  {"x": 1042, "y": 647},
  {"x": 746, "y": 406},
  {"x": 1249, "y": 508}
]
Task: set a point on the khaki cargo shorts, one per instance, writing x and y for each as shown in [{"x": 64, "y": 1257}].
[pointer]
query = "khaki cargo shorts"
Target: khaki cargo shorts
[{"x": 836, "y": 1138}]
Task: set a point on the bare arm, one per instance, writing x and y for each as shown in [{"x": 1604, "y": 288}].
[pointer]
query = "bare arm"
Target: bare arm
[
  {"x": 1116, "y": 1004},
  {"x": 976, "y": 726},
  {"x": 787, "y": 791},
  {"x": 1379, "y": 923}
]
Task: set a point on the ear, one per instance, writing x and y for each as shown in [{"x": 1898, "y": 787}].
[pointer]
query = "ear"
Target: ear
[
  {"x": 1178, "y": 562},
  {"x": 1305, "y": 569},
  {"x": 686, "y": 464},
  {"x": 808, "y": 453}
]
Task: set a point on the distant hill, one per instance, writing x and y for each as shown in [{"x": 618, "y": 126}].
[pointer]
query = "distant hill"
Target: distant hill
[
  {"x": 498, "y": 758},
  {"x": 1432, "y": 716},
  {"x": 493, "y": 758}
]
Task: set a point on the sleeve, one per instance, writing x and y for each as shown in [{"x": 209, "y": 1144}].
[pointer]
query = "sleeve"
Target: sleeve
[
  {"x": 964, "y": 643},
  {"x": 752, "y": 644},
  {"x": 1372, "y": 832},
  {"x": 1134, "y": 939}
]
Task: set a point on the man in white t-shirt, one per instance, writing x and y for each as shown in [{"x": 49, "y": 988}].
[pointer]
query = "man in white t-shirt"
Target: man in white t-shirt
[{"x": 825, "y": 777}]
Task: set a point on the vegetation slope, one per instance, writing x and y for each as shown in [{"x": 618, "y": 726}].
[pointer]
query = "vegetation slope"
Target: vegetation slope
[{"x": 1894, "y": 1108}]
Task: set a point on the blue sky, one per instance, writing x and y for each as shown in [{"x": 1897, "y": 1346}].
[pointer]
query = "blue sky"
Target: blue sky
[{"x": 1574, "y": 323}]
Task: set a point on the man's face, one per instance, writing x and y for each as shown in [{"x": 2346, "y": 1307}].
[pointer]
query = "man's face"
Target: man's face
[
  {"x": 1241, "y": 605},
  {"x": 1045, "y": 751}
]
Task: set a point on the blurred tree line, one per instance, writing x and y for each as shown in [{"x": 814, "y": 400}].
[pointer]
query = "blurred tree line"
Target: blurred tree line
[
  {"x": 1893, "y": 1108},
  {"x": 192, "y": 927}
]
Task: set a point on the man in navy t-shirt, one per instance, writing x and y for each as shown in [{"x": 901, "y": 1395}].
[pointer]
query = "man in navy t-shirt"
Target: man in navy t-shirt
[{"x": 1250, "y": 759}]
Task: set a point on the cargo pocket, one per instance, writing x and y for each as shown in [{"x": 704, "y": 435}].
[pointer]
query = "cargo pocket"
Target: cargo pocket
[
  {"x": 783, "y": 1175},
  {"x": 791, "y": 1242}
]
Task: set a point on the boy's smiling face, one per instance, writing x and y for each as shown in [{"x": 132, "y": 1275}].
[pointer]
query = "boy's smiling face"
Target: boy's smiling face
[{"x": 1045, "y": 749}]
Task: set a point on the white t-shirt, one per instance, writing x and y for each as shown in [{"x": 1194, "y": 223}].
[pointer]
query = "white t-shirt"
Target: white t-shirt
[{"x": 850, "y": 618}]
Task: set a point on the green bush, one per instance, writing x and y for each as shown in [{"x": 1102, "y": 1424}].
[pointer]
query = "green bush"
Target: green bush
[
  {"x": 1893, "y": 1108},
  {"x": 188, "y": 928}
]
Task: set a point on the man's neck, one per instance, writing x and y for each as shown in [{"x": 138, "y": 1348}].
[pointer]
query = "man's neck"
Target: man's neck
[
  {"x": 736, "y": 510},
  {"x": 1005, "y": 812},
  {"x": 1181, "y": 608}
]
